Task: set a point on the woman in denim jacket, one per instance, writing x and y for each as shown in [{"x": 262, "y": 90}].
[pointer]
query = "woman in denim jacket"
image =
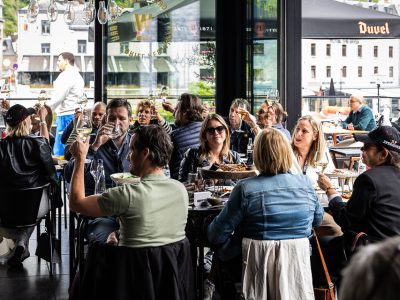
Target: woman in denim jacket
[{"x": 272, "y": 214}]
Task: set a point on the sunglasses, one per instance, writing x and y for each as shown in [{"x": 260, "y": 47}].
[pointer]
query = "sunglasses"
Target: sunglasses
[{"x": 212, "y": 130}]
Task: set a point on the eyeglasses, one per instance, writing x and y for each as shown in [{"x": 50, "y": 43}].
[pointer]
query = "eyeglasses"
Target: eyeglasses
[
  {"x": 366, "y": 147},
  {"x": 212, "y": 130}
]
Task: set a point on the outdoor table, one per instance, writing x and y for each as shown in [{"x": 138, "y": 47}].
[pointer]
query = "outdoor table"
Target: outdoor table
[
  {"x": 347, "y": 153},
  {"x": 335, "y": 132}
]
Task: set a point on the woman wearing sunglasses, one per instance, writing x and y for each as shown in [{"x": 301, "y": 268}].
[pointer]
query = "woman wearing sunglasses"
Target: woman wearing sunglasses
[{"x": 214, "y": 148}]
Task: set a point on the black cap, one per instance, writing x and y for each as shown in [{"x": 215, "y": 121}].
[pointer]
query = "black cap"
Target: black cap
[
  {"x": 17, "y": 113},
  {"x": 386, "y": 136}
]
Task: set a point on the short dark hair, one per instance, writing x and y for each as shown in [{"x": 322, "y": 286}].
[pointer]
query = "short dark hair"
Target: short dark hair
[
  {"x": 191, "y": 104},
  {"x": 119, "y": 102},
  {"x": 157, "y": 140},
  {"x": 68, "y": 56}
]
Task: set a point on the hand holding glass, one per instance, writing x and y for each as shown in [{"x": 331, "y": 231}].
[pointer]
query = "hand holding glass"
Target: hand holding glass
[
  {"x": 84, "y": 126},
  {"x": 115, "y": 132}
]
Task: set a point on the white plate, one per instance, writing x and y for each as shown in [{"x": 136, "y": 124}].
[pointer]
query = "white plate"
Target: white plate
[
  {"x": 220, "y": 188},
  {"x": 124, "y": 178}
]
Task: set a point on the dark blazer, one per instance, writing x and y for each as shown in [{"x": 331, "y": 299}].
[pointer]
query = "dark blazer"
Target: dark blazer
[{"x": 374, "y": 206}]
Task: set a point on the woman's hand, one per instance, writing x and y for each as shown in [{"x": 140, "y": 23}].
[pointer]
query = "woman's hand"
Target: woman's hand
[
  {"x": 42, "y": 113},
  {"x": 168, "y": 106},
  {"x": 113, "y": 239}
]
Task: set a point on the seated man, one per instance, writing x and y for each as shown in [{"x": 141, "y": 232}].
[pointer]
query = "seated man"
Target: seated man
[
  {"x": 144, "y": 209},
  {"x": 114, "y": 154},
  {"x": 360, "y": 117},
  {"x": 240, "y": 131},
  {"x": 69, "y": 133}
]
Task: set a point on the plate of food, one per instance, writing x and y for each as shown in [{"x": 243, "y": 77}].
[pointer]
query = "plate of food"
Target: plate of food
[
  {"x": 124, "y": 178},
  {"x": 228, "y": 171},
  {"x": 342, "y": 173}
]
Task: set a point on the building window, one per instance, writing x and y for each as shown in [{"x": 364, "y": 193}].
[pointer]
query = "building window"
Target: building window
[
  {"x": 359, "y": 71},
  {"x": 328, "y": 49},
  {"x": 45, "y": 27},
  {"x": 313, "y": 72},
  {"x": 259, "y": 75},
  {"x": 328, "y": 71},
  {"x": 81, "y": 46},
  {"x": 344, "y": 71},
  {"x": 375, "y": 51},
  {"x": 376, "y": 71},
  {"x": 359, "y": 51},
  {"x": 391, "y": 72},
  {"x": 313, "y": 50},
  {"x": 390, "y": 51},
  {"x": 124, "y": 47},
  {"x": 344, "y": 50},
  {"x": 45, "y": 48}
]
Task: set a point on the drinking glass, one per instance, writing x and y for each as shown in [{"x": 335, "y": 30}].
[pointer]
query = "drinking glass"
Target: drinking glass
[
  {"x": 241, "y": 110},
  {"x": 321, "y": 165},
  {"x": 94, "y": 171},
  {"x": 84, "y": 125},
  {"x": 115, "y": 132}
]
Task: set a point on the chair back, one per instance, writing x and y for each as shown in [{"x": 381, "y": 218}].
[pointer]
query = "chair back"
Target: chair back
[
  {"x": 19, "y": 207},
  {"x": 151, "y": 273}
]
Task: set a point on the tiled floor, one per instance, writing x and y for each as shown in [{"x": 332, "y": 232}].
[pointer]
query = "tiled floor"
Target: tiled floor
[{"x": 32, "y": 281}]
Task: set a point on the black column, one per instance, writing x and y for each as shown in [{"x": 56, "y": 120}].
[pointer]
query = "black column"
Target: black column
[
  {"x": 100, "y": 59},
  {"x": 290, "y": 59},
  {"x": 230, "y": 53}
]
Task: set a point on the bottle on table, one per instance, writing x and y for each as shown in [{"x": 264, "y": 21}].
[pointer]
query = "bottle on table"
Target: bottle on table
[
  {"x": 250, "y": 148},
  {"x": 101, "y": 179},
  {"x": 361, "y": 166}
]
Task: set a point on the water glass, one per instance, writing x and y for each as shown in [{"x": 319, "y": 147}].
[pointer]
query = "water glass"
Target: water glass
[{"x": 192, "y": 177}]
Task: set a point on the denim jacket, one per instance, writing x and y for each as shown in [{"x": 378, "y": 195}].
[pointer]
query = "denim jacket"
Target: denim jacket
[{"x": 266, "y": 207}]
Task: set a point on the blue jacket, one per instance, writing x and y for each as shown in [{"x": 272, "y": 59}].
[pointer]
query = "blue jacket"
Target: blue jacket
[
  {"x": 363, "y": 119},
  {"x": 266, "y": 207}
]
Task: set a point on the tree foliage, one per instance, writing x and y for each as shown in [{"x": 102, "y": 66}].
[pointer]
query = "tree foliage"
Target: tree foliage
[{"x": 10, "y": 10}]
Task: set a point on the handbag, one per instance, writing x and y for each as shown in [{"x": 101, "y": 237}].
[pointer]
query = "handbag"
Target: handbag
[
  {"x": 44, "y": 251},
  {"x": 323, "y": 293}
]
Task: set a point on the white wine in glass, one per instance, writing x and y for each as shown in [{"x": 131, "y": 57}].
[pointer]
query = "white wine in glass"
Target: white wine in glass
[
  {"x": 84, "y": 126},
  {"x": 321, "y": 166}
]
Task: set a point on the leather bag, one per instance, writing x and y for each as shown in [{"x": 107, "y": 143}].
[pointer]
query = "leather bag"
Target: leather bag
[{"x": 324, "y": 293}]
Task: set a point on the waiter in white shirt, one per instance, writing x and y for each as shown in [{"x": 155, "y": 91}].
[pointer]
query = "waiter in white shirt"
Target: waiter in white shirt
[{"x": 68, "y": 88}]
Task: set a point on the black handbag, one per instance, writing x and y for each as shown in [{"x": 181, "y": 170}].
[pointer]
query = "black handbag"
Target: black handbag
[{"x": 44, "y": 251}]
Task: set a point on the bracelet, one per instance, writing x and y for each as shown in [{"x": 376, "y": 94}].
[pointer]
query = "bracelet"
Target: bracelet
[
  {"x": 42, "y": 123},
  {"x": 330, "y": 188}
]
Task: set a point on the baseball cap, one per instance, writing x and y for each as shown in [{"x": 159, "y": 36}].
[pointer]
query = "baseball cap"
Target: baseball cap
[
  {"x": 386, "y": 136},
  {"x": 17, "y": 113}
]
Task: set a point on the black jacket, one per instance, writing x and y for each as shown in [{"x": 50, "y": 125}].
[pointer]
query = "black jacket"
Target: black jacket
[
  {"x": 26, "y": 162},
  {"x": 374, "y": 206}
]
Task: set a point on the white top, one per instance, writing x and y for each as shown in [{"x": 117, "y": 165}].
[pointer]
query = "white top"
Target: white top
[{"x": 68, "y": 88}]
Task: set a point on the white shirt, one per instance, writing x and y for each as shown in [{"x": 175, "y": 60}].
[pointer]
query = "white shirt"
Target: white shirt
[{"x": 68, "y": 88}]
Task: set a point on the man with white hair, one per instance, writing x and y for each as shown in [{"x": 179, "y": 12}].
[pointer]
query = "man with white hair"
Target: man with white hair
[{"x": 360, "y": 116}]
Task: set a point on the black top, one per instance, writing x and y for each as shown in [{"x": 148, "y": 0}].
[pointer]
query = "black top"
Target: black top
[{"x": 374, "y": 206}]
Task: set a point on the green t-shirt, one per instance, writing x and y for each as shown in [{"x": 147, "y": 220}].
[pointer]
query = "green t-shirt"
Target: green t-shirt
[{"x": 152, "y": 213}]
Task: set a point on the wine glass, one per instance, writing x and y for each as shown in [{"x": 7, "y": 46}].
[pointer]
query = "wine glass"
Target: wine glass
[
  {"x": 94, "y": 170},
  {"x": 42, "y": 98},
  {"x": 241, "y": 111},
  {"x": 115, "y": 132},
  {"x": 84, "y": 125},
  {"x": 321, "y": 165}
]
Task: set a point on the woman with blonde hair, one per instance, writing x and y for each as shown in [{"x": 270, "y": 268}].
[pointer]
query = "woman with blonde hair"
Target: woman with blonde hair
[
  {"x": 25, "y": 161},
  {"x": 271, "y": 216},
  {"x": 214, "y": 147},
  {"x": 309, "y": 147}
]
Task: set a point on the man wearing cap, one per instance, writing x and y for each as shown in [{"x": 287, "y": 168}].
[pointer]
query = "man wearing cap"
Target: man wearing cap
[
  {"x": 68, "y": 88},
  {"x": 360, "y": 116},
  {"x": 25, "y": 161},
  {"x": 374, "y": 206}
]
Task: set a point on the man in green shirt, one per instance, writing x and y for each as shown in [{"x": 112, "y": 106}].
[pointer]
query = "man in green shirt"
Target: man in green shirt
[{"x": 153, "y": 212}]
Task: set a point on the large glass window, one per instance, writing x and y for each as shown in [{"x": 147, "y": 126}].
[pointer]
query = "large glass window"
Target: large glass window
[
  {"x": 157, "y": 45},
  {"x": 265, "y": 51}
]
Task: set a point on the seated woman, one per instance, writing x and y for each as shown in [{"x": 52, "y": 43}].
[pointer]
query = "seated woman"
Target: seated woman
[
  {"x": 273, "y": 213},
  {"x": 147, "y": 114},
  {"x": 309, "y": 147},
  {"x": 214, "y": 148},
  {"x": 25, "y": 161}
]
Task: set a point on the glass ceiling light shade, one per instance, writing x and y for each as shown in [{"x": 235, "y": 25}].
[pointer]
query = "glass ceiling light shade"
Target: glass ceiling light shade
[
  {"x": 102, "y": 14},
  {"x": 69, "y": 14},
  {"x": 113, "y": 10},
  {"x": 52, "y": 11},
  {"x": 89, "y": 12},
  {"x": 33, "y": 10}
]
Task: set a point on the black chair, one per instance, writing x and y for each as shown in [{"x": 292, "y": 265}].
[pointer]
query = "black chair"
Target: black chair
[
  {"x": 116, "y": 272},
  {"x": 19, "y": 208}
]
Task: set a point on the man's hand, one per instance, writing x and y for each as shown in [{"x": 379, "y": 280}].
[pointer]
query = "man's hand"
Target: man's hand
[
  {"x": 5, "y": 104},
  {"x": 79, "y": 148},
  {"x": 103, "y": 135},
  {"x": 113, "y": 239},
  {"x": 324, "y": 181},
  {"x": 168, "y": 106},
  {"x": 350, "y": 126}
]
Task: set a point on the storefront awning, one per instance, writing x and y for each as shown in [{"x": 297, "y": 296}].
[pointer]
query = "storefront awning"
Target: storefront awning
[
  {"x": 329, "y": 19},
  {"x": 125, "y": 64},
  {"x": 31, "y": 63}
]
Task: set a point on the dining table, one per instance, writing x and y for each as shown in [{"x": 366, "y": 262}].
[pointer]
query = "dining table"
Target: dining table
[{"x": 335, "y": 132}]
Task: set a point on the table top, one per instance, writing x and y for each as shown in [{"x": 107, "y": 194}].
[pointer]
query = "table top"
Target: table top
[
  {"x": 348, "y": 151},
  {"x": 334, "y": 130}
]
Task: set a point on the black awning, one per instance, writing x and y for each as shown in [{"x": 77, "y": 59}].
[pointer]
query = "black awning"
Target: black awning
[{"x": 327, "y": 19}]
